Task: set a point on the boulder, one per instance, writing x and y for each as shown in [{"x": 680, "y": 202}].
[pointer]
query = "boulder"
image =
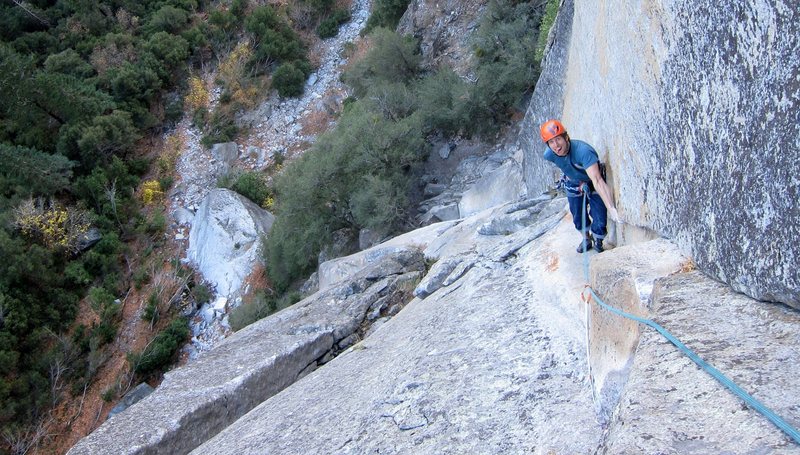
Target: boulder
[
  {"x": 445, "y": 212},
  {"x": 515, "y": 218},
  {"x": 226, "y": 154},
  {"x": 310, "y": 286},
  {"x": 344, "y": 242},
  {"x": 89, "y": 238},
  {"x": 226, "y": 237},
  {"x": 131, "y": 398},
  {"x": 340, "y": 268},
  {"x": 434, "y": 189},
  {"x": 368, "y": 238},
  {"x": 493, "y": 363},
  {"x": 444, "y": 150},
  {"x": 183, "y": 216},
  {"x": 500, "y": 185}
]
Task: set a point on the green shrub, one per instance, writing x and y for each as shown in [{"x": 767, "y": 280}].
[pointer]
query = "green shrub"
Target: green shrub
[
  {"x": 386, "y": 13},
  {"x": 220, "y": 128},
  {"x": 288, "y": 80},
  {"x": 261, "y": 307},
  {"x": 105, "y": 332},
  {"x": 77, "y": 274},
  {"x": 248, "y": 313},
  {"x": 393, "y": 58},
  {"x": 273, "y": 39},
  {"x": 201, "y": 293},
  {"x": 548, "y": 19},
  {"x": 140, "y": 278},
  {"x": 109, "y": 394},
  {"x": 253, "y": 186},
  {"x": 166, "y": 182},
  {"x": 150, "y": 312},
  {"x": 354, "y": 176},
  {"x": 441, "y": 102},
  {"x": 200, "y": 118},
  {"x": 505, "y": 47},
  {"x": 161, "y": 351},
  {"x": 100, "y": 298},
  {"x": 157, "y": 224},
  {"x": 329, "y": 26},
  {"x": 167, "y": 19}
]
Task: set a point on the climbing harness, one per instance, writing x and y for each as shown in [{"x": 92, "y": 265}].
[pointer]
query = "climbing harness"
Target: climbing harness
[{"x": 738, "y": 391}]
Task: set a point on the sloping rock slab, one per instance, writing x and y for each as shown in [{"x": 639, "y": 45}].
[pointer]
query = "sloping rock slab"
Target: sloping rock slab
[
  {"x": 198, "y": 400},
  {"x": 338, "y": 269},
  {"x": 670, "y": 405},
  {"x": 476, "y": 367}
]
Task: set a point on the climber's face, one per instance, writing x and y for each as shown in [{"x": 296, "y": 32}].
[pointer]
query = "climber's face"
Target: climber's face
[{"x": 559, "y": 145}]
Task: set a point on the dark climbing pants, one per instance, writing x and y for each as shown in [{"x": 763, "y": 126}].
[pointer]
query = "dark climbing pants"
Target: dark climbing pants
[{"x": 595, "y": 217}]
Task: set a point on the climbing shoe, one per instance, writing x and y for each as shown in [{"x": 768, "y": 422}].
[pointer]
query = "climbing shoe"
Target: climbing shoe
[
  {"x": 588, "y": 245},
  {"x": 598, "y": 245}
]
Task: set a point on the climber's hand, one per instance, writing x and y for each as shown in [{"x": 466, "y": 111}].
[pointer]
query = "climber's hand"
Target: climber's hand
[{"x": 613, "y": 215}]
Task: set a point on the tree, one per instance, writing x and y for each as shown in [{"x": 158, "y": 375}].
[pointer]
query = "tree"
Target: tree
[
  {"x": 288, "y": 80},
  {"x": 441, "y": 99},
  {"x": 393, "y": 58},
  {"x": 168, "y": 48},
  {"x": 108, "y": 135},
  {"x": 29, "y": 172},
  {"x": 505, "y": 47},
  {"x": 70, "y": 63},
  {"x": 386, "y": 14},
  {"x": 38, "y": 103},
  {"x": 167, "y": 19},
  {"x": 273, "y": 39}
]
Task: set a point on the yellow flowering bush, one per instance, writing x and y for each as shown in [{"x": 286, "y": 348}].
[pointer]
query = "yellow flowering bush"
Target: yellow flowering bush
[
  {"x": 268, "y": 203},
  {"x": 151, "y": 191},
  {"x": 198, "y": 94},
  {"x": 58, "y": 228},
  {"x": 233, "y": 71},
  {"x": 169, "y": 155}
]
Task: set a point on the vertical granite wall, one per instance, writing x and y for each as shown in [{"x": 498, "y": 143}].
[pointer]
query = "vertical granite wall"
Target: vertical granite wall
[{"x": 695, "y": 105}]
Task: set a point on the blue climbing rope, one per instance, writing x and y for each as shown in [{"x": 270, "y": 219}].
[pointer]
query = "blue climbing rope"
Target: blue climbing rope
[{"x": 738, "y": 391}]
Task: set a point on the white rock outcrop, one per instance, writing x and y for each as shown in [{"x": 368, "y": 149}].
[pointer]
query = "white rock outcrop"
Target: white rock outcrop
[{"x": 225, "y": 238}]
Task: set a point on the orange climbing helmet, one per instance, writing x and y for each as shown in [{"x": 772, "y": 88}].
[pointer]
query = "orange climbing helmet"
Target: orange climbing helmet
[{"x": 551, "y": 129}]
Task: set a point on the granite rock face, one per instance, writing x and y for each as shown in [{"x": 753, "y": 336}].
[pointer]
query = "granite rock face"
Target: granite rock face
[
  {"x": 225, "y": 238},
  {"x": 753, "y": 343},
  {"x": 443, "y": 27},
  {"x": 695, "y": 106},
  {"x": 623, "y": 276}
]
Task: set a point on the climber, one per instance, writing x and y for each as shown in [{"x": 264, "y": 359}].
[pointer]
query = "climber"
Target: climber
[{"x": 583, "y": 173}]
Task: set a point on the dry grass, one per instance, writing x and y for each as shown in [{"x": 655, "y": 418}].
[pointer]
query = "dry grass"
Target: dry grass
[
  {"x": 344, "y": 4},
  {"x": 688, "y": 266},
  {"x": 356, "y": 52},
  {"x": 316, "y": 123},
  {"x": 256, "y": 281}
]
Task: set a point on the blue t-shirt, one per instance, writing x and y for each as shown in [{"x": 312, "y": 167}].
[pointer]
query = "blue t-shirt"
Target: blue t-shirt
[{"x": 581, "y": 155}]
